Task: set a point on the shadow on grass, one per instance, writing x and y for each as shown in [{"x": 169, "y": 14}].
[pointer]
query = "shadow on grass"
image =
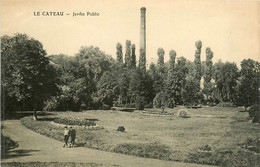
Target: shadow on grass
[
  {"x": 46, "y": 118},
  {"x": 17, "y": 153}
]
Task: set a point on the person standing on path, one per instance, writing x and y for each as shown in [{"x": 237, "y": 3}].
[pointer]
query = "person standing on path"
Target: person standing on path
[
  {"x": 66, "y": 136},
  {"x": 72, "y": 136}
]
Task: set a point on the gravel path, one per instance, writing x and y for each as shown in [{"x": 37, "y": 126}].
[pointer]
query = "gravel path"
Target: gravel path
[{"x": 36, "y": 147}]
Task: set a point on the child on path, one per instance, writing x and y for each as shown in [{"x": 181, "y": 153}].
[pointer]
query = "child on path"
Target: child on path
[
  {"x": 66, "y": 136},
  {"x": 72, "y": 137}
]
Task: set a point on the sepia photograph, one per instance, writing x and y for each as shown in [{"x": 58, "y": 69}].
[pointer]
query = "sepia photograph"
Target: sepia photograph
[{"x": 133, "y": 83}]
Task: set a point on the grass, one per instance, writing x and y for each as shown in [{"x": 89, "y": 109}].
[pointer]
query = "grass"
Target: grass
[
  {"x": 153, "y": 150},
  {"x": 226, "y": 131},
  {"x": 52, "y": 164}
]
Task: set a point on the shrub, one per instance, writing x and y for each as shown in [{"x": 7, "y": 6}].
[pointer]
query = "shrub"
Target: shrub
[
  {"x": 225, "y": 104},
  {"x": 121, "y": 129},
  {"x": 51, "y": 104},
  {"x": 105, "y": 107},
  {"x": 183, "y": 113},
  {"x": 74, "y": 121},
  {"x": 254, "y": 112},
  {"x": 160, "y": 100}
]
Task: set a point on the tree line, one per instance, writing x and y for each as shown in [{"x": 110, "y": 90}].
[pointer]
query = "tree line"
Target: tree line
[{"x": 91, "y": 79}]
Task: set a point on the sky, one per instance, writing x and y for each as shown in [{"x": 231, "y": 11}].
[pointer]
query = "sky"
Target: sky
[{"x": 231, "y": 28}]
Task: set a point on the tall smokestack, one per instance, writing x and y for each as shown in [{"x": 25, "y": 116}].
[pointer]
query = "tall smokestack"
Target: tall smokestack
[{"x": 143, "y": 30}]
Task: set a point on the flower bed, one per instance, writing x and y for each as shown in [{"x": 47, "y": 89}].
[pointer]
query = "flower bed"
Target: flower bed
[{"x": 74, "y": 121}]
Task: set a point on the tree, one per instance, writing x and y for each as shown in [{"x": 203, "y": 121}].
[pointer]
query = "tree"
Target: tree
[
  {"x": 133, "y": 57},
  {"x": 175, "y": 83},
  {"x": 107, "y": 88},
  {"x": 248, "y": 89},
  {"x": 128, "y": 61},
  {"x": 208, "y": 73},
  {"x": 137, "y": 88},
  {"x": 157, "y": 79},
  {"x": 226, "y": 79},
  {"x": 28, "y": 78},
  {"x": 172, "y": 54},
  {"x": 123, "y": 83},
  {"x": 119, "y": 53},
  {"x": 160, "y": 62},
  {"x": 197, "y": 63},
  {"x": 142, "y": 60}
]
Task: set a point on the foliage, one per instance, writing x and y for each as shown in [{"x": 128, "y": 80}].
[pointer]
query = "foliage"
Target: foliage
[
  {"x": 142, "y": 60},
  {"x": 226, "y": 79},
  {"x": 225, "y": 104},
  {"x": 248, "y": 88},
  {"x": 172, "y": 54},
  {"x": 28, "y": 78},
  {"x": 74, "y": 121},
  {"x": 191, "y": 94},
  {"x": 80, "y": 77},
  {"x": 160, "y": 100},
  {"x": 156, "y": 78},
  {"x": 119, "y": 53},
  {"x": 121, "y": 128},
  {"x": 107, "y": 88},
  {"x": 197, "y": 63},
  {"x": 160, "y": 63},
  {"x": 254, "y": 112},
  {"x": 128, "y": 61},
  {"x": 175, "y": 84},
  {"x": 208, "y": 88},
  {"x": 133, "y": 56}
]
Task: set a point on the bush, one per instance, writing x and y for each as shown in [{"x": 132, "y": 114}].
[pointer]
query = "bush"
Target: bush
[
  {"x": 105, "y": 107},
  {"x": 225, "y": 104},
  {"x": 160, "y": 100},
  {"x": 121, "y": 129},
  {"x": 254, "y": 112},
  {"x": 74, "y": 121},
  {"x": 183, "y": 113}
]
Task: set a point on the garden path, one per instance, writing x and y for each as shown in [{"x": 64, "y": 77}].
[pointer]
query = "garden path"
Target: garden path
[{"x": 36, "y": 147}]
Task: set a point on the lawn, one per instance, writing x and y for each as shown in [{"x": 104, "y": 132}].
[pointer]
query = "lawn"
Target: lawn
[
  {"x": 51, "y": 164},
  {"x": 212, "y": 135}
]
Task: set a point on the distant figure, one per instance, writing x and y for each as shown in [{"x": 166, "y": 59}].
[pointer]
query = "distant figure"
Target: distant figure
[
  {"x": 72, "y": 134},
  {"x": 66, "y": 136}
]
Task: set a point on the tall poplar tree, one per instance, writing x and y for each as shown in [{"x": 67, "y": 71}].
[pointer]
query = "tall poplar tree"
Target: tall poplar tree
[
  {"x": 197, "y": 63},
  {"x": 119, "y": 53},
  {"x": 133, "y": 57},
  {"x": 172, "y": 54},
  {"x": 142, "y": 60},
  {"x": 208, "y": 73},
  {"x": 128, "y": 53}
]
